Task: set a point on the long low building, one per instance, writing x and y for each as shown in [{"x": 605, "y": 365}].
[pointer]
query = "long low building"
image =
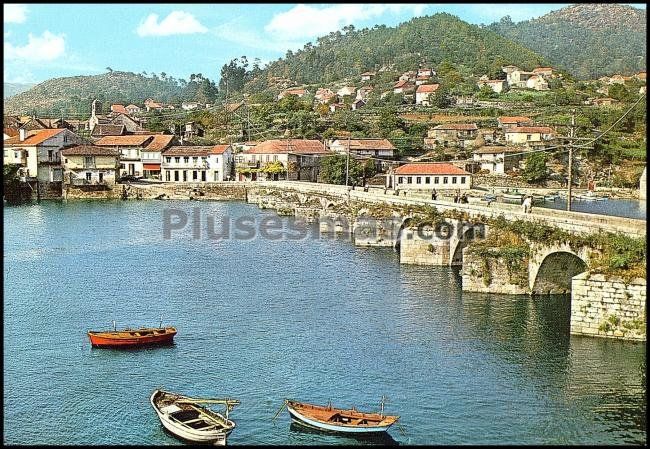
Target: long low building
[
  {"x": 429, "y": 176},
  {"x": 197, "y": 163}
]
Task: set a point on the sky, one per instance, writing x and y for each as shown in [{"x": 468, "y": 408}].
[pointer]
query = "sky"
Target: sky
[{"x": 44, "y": 41}]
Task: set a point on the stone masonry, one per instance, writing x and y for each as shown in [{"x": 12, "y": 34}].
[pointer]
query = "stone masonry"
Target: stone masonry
[{"x": 603, "y": 307}]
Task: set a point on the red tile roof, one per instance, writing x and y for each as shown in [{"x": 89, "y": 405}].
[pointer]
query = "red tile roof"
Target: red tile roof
[
  {"x": 119, "y": 108},
  {"x": 531, "y": 129},
  {"x": 431, "y": 168},
  {"x": 34, "y": 137},
  {"x": 543, "y": 69},
  {"x": 131, "y": 141},
  {"x": 108, "y": 129},
  {"x": 294, "y": 146},
  {"x": 427, "y": 88},
  {"x": 11, "y": 131},
  {"x": 89, "y": 150},
  {"x": 159, "y": 142},
  {"x": 187, "y": 150},
  {"x": 400, "y": 83}
]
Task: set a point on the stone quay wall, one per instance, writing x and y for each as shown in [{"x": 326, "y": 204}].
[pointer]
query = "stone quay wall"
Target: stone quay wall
[{"x": 603, "y": 307}]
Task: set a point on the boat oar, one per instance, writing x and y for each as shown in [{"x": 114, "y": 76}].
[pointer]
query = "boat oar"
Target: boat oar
[
  {"x": 284, "y": 404},
  {"x": 401, "y": 429}
]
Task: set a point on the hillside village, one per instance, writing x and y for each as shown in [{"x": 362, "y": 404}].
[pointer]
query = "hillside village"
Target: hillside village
[{"x": 118, "y": 142}]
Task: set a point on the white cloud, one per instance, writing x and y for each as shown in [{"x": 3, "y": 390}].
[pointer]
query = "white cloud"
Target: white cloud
[
  {"x": 177, "y": 22},
  {"x": 47, "y": 47},
  {"x": 14, "y": 13},
  {"x": 305, "y": 21},
  {"x": 243, "y": 35}
]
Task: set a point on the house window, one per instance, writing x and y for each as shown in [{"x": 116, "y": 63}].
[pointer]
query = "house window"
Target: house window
[
  {"x": 195, "y": 159},
  {"x": 167, "y": 176},
  {"x": 409, "y": 180},
  {"x": 203, "y": 175},
  {"x": 101, "y": 177},
  {"x": 88, "y": 176},
  {"x": 195, "y": 175},
  {"x": 204, "y": 159},
  {"x": 445, "y": 180},
  {"x": 275, "y": 158},
  {"x": 216, "y": 176},
  {"x": 49, "y": 155},
  {"x": 400, "y": 180},
  {"x": 529, "y": 137},
  {"x": 169, "y": 160},
  {"x": 462, "y": 179},
  {"x": 65, "y": 161},
  {"x": 16, "y": 154},
  {"x": 175, "y": 175},
  {"x": 453, "y": 180},
  {"x": 427, "y": 180},
  {"x": 184, "y": 175},
  {"x": 418, "y": 180},
  {"x": 26, "y": 153},
  {"x": 177, "y": 160},
  {"x": 436, "y": 180},
  {"x": 186, "y": 159}
]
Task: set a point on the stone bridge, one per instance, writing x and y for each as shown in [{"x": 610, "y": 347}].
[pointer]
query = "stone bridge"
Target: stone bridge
[{"x": 377, "y": 218}]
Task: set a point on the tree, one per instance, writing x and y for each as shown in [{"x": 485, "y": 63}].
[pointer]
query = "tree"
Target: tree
[
  {"x": 442, "y": 99},
  {"x": 535, "y": 170},
  {"x": 332, "y": 169},
  {"x": 109, "y": 69}
]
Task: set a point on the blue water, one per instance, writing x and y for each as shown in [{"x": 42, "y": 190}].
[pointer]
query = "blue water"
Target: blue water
[
  {"x": 262, "y": 320},
  {"x": 619, "y": 207}
]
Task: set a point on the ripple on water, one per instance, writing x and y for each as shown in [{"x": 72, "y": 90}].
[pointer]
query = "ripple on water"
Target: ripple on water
[{"x": 262, "y": 321}]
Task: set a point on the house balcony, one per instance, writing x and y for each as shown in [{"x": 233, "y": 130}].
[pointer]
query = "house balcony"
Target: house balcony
[{"x": 249, "y": 164}]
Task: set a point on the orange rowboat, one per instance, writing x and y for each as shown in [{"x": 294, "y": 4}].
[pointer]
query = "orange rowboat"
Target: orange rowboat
[{"x": 131, "y": 338}]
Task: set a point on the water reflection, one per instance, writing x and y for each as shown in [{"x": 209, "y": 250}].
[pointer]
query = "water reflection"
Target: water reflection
[{"x": 378, "y": 439}]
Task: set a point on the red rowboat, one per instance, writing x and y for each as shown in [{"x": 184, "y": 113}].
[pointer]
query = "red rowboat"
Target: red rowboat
[{"x": 129, "y": 338}]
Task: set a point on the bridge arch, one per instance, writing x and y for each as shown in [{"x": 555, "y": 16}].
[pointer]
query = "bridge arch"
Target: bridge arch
[
  {"x": 464, "y": 235},
  {"x": 554, "y": 273}
]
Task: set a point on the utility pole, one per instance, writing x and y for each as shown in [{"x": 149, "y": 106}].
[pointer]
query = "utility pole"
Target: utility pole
[
  {"x": 572, "y": 135},
  {"x": 347, "y": 160}
]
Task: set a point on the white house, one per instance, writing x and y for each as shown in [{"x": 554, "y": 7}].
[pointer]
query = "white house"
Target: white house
[
  {"x": 132, "y": 109},
  {"x": 497, "y": 159},
  {"x": 38, "y": 151},
  {"x": 346, "y": 90},
  {"x": 537, "y": 82},
  {"x": 197, "y": 163},
  {"x": 423, "y": 92},
  {"x": 521, "y": 135},
  {"x": 429, "y": 176},
  {"x": 497, "y": 86},
  {"x": 367, "y": 76},
  {"x": 295, "y": 159},
  {"x": 381, "y": 148},
  {"x": 130, "y": 148}
]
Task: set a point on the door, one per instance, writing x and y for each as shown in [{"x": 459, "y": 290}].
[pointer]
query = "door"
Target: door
[{"x": 132, "y": 169}]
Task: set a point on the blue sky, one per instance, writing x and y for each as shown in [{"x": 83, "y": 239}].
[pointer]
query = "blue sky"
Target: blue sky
[{"x": 45, "y": 41}]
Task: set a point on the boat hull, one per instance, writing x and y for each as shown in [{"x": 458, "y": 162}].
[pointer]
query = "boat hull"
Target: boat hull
[
  {"x": 303, "y": 420},
  {"x": 123, "y": 339},
  {"x": 215, "y": 437}
]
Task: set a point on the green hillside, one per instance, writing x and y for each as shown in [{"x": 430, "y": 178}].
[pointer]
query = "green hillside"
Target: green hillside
[
  {"x": 426, "y": 41},
  {"x": 73, "y": 95},
  {"x": 588, "y": 40}
]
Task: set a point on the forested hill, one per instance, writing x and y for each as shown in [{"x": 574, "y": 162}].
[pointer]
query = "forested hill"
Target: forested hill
[
  {"x": 73, "y": 95},
  {"x": 588, "y": 40},
  {"x": 426, "y": 40}
]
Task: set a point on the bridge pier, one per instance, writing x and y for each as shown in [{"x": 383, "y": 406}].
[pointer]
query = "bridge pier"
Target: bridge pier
[{"x": 610, "y": 308}]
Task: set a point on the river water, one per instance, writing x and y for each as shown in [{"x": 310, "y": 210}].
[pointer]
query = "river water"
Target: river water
[
  {"x": 261, "y": 320},
  {"x": 629, "y": 208}
]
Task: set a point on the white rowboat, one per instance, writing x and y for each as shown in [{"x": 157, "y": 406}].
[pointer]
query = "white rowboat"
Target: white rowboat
[{"x": 187, "y": 419}]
